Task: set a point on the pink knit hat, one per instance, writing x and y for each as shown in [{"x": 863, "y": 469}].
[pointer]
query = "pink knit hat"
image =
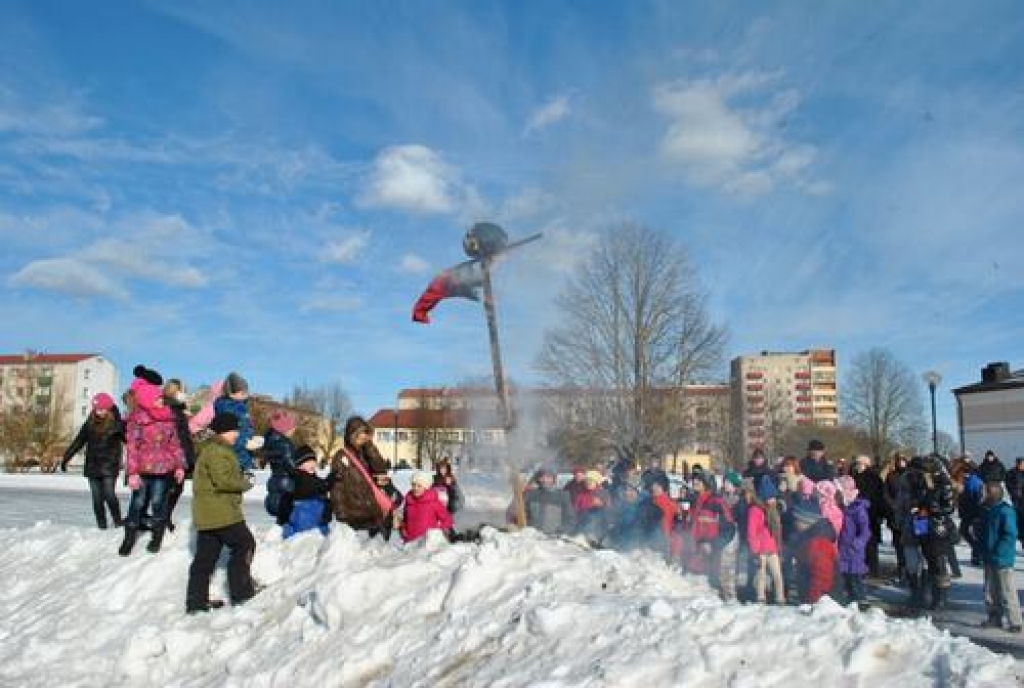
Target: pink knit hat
[
  {"x": 102, "y": 402},
  {"x": 282, "y": 421}
]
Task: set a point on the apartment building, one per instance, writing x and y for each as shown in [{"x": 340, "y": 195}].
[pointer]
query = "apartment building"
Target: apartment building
[
  {"x": 774, "y": 391},
  {"x": 63, "y": 384}
]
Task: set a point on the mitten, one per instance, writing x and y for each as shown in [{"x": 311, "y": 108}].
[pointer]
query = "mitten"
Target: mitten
[
  {"x": 179, "y": 475},
  {"x": 254, "y": 443},
  {"x": 134, "y": 482}
]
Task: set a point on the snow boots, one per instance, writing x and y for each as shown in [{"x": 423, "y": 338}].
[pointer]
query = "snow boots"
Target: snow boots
[
  {"x": 995, "y": 620},
  {"x": 940, "y": 597},
  {"x": 131, "y": 533},
  {"x": 155, "y": 541},
  {"x": 916, "y": 590}
]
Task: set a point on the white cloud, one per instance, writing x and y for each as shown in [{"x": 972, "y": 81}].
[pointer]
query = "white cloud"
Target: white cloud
[
  {"x": 725, "y": 132},
  {"x": 348, "y": 249},
  {"x": 67, "y": 276},
  {"x": 552, "y": 112},
  {"x": 331, "y": 304},
  {"x": 144, "y": 246},
  {"x": 56, "y": 119},
  {"x": 413, "y": 264},
  {"x": 412, "y": 178}
]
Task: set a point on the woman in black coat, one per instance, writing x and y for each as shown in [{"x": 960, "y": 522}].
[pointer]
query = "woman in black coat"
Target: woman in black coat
[{"x": 102, "y": 436}]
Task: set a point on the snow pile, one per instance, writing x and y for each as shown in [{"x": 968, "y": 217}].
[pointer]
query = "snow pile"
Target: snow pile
[{"x": 516, "y": 610}]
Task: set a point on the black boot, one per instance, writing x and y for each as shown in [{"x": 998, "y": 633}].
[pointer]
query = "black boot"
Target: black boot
[
  {"x": 130, "y": 534},
  {"x": 940, "y": 598},
  {"x": 916, "y": 591},
  {"x": 156, "y": 540},
  {"x": 995, "y": 620}
]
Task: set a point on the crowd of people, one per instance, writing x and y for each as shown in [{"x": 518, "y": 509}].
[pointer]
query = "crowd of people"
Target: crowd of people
[
  {"x": 799, "y": 529},
  {"x": 160, "y": 444},
  {"x": 790, "y": 531}
]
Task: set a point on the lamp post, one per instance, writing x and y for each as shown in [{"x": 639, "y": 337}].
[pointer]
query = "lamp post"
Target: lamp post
[{"x": 933, "y": 380}]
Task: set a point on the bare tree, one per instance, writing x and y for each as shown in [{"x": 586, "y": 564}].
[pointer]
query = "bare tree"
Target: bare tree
[
  {"x": 332, "y": 403},
  {"x": 882, "y": 397},
  {"x": 634, "y": 323},
  {"x": 32, "y": 424}
]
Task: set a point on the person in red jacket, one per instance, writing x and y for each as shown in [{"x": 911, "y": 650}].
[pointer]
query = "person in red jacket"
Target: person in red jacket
[
  {"x": 713, "y": 528},
  {"x": 816, "y": 554},
  {"x": 424, "y": 509},
  {"x": 668, "y": 509}
]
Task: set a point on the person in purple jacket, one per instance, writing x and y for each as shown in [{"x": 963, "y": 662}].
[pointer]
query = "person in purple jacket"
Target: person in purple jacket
[{"x": 853, "y": 539}]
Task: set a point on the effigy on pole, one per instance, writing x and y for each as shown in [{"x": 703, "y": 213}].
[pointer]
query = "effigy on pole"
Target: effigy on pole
[{"x": 484, "y": 243}]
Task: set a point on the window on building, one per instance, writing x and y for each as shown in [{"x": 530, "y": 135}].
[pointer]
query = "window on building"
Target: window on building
[
  {"x": 86, "y": 374},
  {"x": 85, "y": 392},
  {"x": 85, "y": 410}
]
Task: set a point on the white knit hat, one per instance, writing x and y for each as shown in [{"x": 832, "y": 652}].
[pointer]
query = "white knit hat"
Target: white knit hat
[{"x": 422, "y": 478}]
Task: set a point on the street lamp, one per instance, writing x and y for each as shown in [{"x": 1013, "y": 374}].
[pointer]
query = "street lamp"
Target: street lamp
[{"x": 933, "y": 379}]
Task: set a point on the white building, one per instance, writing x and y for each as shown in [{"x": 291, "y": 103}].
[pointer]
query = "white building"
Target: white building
[
  {"x": 991, "y": 413},
  {"x": 62, "y": 383}
]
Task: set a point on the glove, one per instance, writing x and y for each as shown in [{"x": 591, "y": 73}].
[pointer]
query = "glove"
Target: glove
[
  {"x": 179, "y": 475},
  {"x": 134, "y": 482},
  {"x": 254, "y": 443},
  {"x": 64, "y": 466}
]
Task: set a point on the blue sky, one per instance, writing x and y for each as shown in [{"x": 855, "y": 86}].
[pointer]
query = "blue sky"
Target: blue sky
[{"x": 268, "y": 186}]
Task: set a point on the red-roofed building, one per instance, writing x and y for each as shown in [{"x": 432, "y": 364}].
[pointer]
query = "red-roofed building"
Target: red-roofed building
[{"x": 61, "y": 384}]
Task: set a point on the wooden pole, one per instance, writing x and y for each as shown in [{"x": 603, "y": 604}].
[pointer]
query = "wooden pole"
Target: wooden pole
[{"x": 504, "y": 409}]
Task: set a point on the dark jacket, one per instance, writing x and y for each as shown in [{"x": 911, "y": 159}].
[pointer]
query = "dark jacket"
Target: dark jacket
[
  {"x": 352, "y": 497},
  {"x": 999, "y": 535},
  {"x": 818, "y": 470},
  {"x": 933, "y": 494},
  {"x": 872, "y": 489},
  {"x": 103, "y": 444},
  {"x": 1015, "y": 486},
  {"x": 992, "y": 471},
  {"x": 279, "y": 452},
  {"x": 306, "y": 487},
  {"x": 188, "y": 447},
  {"x": 240, "y": 409},
  {"x": 452, "y": 496},
  {"x": 549, "y": 511},
  {"x": 853, "y": 538}
]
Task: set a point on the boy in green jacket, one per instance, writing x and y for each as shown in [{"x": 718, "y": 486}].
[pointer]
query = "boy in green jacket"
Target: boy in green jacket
[{"x": 217, "y": 487}]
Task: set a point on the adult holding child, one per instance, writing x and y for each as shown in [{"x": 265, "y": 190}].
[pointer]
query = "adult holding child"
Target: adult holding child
[{"x": 356, "y": 498}]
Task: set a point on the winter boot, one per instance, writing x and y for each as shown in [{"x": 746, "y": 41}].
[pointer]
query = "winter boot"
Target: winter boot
[
  {"x": 916, "y": 590},
  {"x": 994, "y": 620},
  {"x": 940, "y": 598},
  {"x": 130, "y": 535},
  {"x": 155, "y": 541}
]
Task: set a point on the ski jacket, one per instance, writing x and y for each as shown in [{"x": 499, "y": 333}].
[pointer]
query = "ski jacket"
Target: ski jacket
[
  {"x": 240, "y": 410},
  {"x": 152, "y": 444},
  {"x": 354, "y": 498},
  {"x": 759, "y": 536},
  {"x": 103, "y": 444},
  {"x": 549, "y": 511},
  {"x": 816, "y": 555},
  {"x": 217, "y": 487},
  {"x": 423, "y": 513},
  {"x": 712, "y": 520},
  {"x": 999, "y": 535},
  {"x": 854, "y": 537}
]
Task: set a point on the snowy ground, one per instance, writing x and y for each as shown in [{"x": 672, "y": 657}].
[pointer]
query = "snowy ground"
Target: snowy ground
[{"x": 515, "y": 610}]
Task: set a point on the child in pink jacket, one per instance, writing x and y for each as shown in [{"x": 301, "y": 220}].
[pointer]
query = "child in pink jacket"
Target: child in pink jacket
[
  {"x": 424, "y": 509},
  {"x": 764, "y": 536}
]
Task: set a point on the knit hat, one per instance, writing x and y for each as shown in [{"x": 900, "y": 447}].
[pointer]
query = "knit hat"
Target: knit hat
[
  {"x": 223, "y": 423},
  {"x": 151, "y": 376},
  {"x": 806, "y": 514},
  {"x": 815, "y": 445},
  {"x": 422, "y": 478},
  {"x": 848, "y": 487},
  {"x": 734, "y": 478},
  {"x": 303, "y": 454},
  {"x": 766, "y": 489},
  {"x": 235, "y": 383},
  {"x": 594, "y": 477},
  {"x": 102, "y": 402},
  {"x": 146, "y": 393},
  {"x": 707, "y": 480},
  {"x": 282, "y": 421}
]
